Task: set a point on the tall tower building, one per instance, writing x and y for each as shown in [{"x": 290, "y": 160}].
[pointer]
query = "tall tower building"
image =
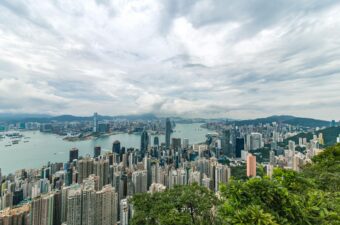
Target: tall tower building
[
  {"x": 95, "y": 122},
  {"x": 74, "y": 206},
  {"x": 116, "y": 147},
  {"x": 42, "y": 210},
  {"x": 144, "y": 142},
  {"x": 74, "y": 154},
  {"x": 239, "y": 147},
  {"x": 251, "y": 165},
  {"x": 168, "y": 131},
  {"x": 88, "y": 203},
  {"x": 156, "y": 141},
  {"x": 124, "y": 212},
  {"x": 97, "y": 151},
  {"x": 225, "y": 143},
  {"x": 106, "y": 208},
  {"x": 139, "y": 179},
  {"x": 101, "y": 168}
]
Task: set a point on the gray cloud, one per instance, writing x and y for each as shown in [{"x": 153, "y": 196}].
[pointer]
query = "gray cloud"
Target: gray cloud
[{"x": 212, "y": 58}]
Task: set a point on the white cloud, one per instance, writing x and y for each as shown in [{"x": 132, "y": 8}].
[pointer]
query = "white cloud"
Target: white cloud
[{"x": 190, "y": 58}]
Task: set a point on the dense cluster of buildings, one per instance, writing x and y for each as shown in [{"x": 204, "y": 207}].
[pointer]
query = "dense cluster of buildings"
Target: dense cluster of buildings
[{"x": 95, "y": 189}]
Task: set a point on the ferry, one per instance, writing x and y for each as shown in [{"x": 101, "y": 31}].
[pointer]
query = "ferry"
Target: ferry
[
  {"x": 7, "y": 145},
  {"x": 14, "y": 142}
]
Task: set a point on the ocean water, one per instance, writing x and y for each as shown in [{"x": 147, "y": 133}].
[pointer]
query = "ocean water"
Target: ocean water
[{"x": 43, "y": 147}]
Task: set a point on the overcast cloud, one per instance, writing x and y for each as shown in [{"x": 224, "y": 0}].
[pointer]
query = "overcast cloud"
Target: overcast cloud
[{"x": 236, "y": 59}]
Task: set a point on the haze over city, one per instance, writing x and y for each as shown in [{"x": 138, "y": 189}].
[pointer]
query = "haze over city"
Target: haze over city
[{"x": 203, "y": 58}]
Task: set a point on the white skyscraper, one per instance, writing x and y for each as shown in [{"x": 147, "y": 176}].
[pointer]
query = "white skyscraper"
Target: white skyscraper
[{"x": 95, "y": 122}]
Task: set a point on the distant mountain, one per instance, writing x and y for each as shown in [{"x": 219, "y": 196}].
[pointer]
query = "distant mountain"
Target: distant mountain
[
  {"x": 68, "y": 118},
  {"x": 329, "y": 135},
  {"x": 292, "y": 120}
]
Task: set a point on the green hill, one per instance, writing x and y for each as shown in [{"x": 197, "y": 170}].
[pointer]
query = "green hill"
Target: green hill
[{"x": 329, "y": 134}]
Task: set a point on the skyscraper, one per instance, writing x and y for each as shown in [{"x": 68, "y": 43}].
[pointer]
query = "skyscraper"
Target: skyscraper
[
  {"x": 251, "y": 165},
  {"x": 95, "y": 122},
  {"x": 74, "y": 206},
  {"x": 239, "y": 147},
  {"x": 106, "y": 208},
  {"x": 168, "y": 131},
  {"x": 176, "y": 143},
  {"x": 225, "y": 143},
  {"x": 96, "y": 151},
  {"x": 144, "y": 142},
  {"x": 116, "y": 147},
  {"x": 156, "y": 141},
  {"x": 139, "y": 179},
  {"x": 74, "y": 153}
]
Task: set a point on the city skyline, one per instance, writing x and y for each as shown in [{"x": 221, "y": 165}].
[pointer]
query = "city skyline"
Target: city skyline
[{"x": 211, "y": 59}]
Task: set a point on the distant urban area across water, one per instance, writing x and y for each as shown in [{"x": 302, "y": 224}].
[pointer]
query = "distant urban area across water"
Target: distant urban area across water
[{"x": 41, "y": 148}]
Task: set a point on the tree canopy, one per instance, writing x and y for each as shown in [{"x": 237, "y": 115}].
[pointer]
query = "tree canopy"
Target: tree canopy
[{"x": 311, "y": 196}]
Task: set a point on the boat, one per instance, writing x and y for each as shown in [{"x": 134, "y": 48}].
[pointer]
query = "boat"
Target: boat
[
  {"x": 7, "y": 145},
  {"x": 26, "y": 141},
  {"x": 14, "y": 142}
]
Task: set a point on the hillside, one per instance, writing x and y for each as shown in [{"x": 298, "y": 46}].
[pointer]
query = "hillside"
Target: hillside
[
  {"x": 306, "y": 122},
  {"x": 329, "y": 134}
]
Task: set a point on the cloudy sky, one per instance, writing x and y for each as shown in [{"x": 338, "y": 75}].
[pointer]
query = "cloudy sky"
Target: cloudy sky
[{"x": 236, "y": 59}]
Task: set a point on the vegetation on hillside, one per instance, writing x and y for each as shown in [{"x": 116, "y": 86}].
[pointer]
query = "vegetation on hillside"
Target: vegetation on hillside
[{"x": 309, "y": 197}]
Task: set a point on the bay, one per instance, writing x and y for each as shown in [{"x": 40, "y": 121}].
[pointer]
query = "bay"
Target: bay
[{"x": 44, "y": 147}]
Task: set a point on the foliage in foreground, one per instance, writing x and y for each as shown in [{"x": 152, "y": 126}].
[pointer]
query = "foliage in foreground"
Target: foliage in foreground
[{"x": 309, "y": 197}]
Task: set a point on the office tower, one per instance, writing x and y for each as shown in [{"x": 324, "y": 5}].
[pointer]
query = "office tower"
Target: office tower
[
  {"x": 101, "y": 168},
  {"x": 338, "y": 139},
  {"x": 222, "y": 175},
  {"x": 116, "y": 147},
  {"x": 16, "y": 216},
  {"x": 97, "y": 151},
  {"x": 74, "y": 154},
  {"x": 42, "y": 210},
  {"x": 239, "y": 147},
  {"x": 139, "y": 179},
  {"x": 106, "y": 208},
  {"x": 176, "y": 143},
  {"x": 168, "y": 131},
  {"x": 74, "y": 206},
  {"x": 95, "y": 122},
  {"x": 225, "y": 143},
  {"x": 144, "y": 142},
  {"x": 251, "y": 165},
  {"x": 57, "y": 208},
  {"x": 255, "y": 141},
  {"x": 185, "y": 143},
  {"x": 88, "y": 200},
  {"x": 156, "y": 141},
  {"x": 84, "y": 168},
  {"x": 124, "y": 212}
]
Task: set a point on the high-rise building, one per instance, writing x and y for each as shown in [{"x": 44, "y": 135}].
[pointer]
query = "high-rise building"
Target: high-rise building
[
  {"x": 106, "y": 208},
  {"x": 74, "y": 154},
  {"x": 176, "y": 143},
  {"x": 156, "y": 141},
  {"x": 239, "y": 147},
  {"x": 254, "y": 141},
  {"x": 116, "y": 147},
  {"x": 84, "y": 168},
  {"x": 144, "y": 142},
  {"x": 168, "y": 131},
  {"x": 139, "y": 179},
  {"x": 338, "y": 139},
  {"x": 97, "y": 151},
  {"x": 124, "y": 212},
  {"x": 16, "y": 216},
  {"x": 101, "y": 168},
  {"x": 185, "y": 143},
  {"x": 251, "y": 165},
  {"x": 95, "y": 122},
  {"x": 88, "y": 200},
  {"x": 42, "y": 210},
  {"x": 225, "y": 143},
  {"x": 74, "y": 206}
]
